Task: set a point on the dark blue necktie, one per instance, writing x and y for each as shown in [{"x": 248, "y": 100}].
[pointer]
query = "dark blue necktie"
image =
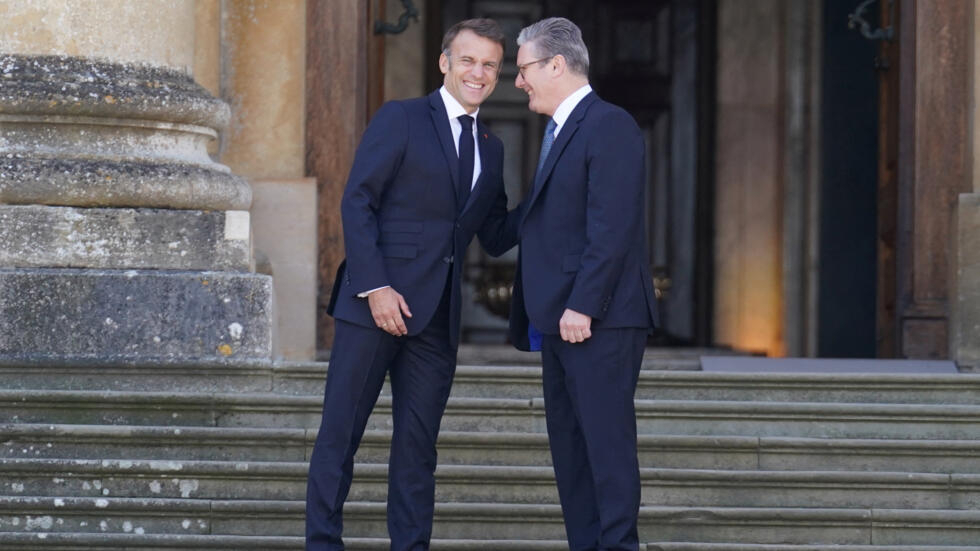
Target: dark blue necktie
[
  {"x": 546, "y": 142},
  {"x": 466, "y": 155}
]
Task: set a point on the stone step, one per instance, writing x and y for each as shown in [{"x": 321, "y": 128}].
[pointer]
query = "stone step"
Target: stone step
[
  {"x": 488, "y": 448},
  {"x": 654, "y": 358},
  {"x": 522, "y": 371},
  {"x": 295, "y": 378},
  {"x": 263, "y": 410},
  {"x": 886, "y": 528},
  {"x": 487, "y": 484},
  {"x": 139, "y": 442},
  {"x": 525, "y": 382},
  {"x": 780, "y": 547},
  {"x": 482, "y": 381},
  {"x": 178, "y": 376},
  {"x": 159, "y": 542},
  {"x": 495, "y": 521},
  {"x": 702, "y": 524},
  {"x": 703, "y": 418},
  {"x": 81, "y": 541},
  {"x": 809, "y": 420},
  {"x": 164, "y": 479},
  {"x": 793, "y": 489},
  {"x": 872, "y": 388}
]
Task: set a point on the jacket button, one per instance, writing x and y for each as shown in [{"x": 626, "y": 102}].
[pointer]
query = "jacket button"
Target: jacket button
[{"x": 447, "y": 259}]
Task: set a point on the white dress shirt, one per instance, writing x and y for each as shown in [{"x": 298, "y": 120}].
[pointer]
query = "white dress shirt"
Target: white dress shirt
[
  {"x": 454, "y": 110},
  {"x": 566, "y": 107}
]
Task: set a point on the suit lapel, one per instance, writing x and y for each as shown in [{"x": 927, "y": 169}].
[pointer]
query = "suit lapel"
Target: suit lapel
[
  {"x": 565, "y": 135},
  {"x": 440, "y": 120}
]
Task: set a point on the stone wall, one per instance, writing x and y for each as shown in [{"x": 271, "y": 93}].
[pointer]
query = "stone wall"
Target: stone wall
[{"x": 252, "y": 54}]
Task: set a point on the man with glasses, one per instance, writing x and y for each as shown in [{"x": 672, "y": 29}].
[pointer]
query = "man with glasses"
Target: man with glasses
[
  {"x": 583, "y": 292},
  {"x": 426, "y": 177}
]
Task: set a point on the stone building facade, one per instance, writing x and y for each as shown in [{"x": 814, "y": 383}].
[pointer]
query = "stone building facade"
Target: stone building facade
[{"x": 812, "y": 192}]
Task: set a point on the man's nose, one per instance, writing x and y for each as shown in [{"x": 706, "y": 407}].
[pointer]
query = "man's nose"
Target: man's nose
[{"x": 519, "y": 80}]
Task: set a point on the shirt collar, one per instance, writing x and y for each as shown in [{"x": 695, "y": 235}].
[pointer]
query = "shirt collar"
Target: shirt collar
[
  {"x": 566, "y": 107},
  {"x": 453, "y": 108}
]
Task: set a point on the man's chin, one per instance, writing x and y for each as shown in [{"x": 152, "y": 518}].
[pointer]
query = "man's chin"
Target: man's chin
[{"x": 477, "y": 99}]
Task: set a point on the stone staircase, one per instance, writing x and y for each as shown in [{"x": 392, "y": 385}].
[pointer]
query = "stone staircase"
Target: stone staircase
[{"x": 205, "y": 456}]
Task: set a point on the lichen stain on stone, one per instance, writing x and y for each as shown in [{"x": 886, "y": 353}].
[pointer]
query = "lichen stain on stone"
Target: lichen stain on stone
[
  {"x": 225, "y": 349},
  {"x": 187, "y": 487},
  {"x": 44, "y": 523}
]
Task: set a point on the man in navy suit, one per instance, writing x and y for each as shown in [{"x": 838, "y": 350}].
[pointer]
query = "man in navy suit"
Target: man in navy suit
[
  {"x": 583, "y": 293},
  {"x": 425, "y": 179}
]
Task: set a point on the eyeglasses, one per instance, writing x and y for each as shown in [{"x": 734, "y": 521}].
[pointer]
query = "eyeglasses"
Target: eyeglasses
[{"x": 520, "y": 68}]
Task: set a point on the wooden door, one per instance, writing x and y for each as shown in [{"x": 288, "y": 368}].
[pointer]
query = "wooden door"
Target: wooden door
[{"x": 652, "y": 58}]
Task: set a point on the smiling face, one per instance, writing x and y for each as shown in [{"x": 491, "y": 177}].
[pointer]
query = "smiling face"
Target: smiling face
[
  {"x": 471, "y": 69},
  {"x": 535, "y": 78}
]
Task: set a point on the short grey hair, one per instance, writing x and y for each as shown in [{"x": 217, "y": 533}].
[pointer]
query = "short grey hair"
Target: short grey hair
[{"x": 558, "y": 36}]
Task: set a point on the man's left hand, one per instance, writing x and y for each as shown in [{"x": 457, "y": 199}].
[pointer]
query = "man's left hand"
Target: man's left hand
[{"x": 574, "y": 327}]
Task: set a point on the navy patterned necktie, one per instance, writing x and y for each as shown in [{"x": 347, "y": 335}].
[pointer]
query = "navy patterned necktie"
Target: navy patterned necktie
[
  {"x": 466, "y": 159},
  {"x": 546, "y": 142}
]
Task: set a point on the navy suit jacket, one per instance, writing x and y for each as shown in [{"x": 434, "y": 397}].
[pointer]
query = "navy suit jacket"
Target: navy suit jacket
[
  {"x": 403, "y": 224},
  {"x": 582, "y": 231}
]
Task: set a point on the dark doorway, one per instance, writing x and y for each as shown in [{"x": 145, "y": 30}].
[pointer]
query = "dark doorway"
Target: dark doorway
[
  {"x": 655, "y": 58},
  {"x": 849, "y": 198}
]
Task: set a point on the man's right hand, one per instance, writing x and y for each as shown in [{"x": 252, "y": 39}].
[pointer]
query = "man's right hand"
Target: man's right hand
[{"x": 387, "y": 307}]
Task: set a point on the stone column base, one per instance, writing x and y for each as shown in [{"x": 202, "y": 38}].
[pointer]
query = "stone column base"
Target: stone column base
[
  {"x": 116, "y": 315},
  {"x": 40, "y": 236}
]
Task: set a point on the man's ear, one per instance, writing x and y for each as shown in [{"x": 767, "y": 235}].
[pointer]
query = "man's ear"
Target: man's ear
[
  {"x": 444, "y": 63},
  {"x": 560, "y": 65}
]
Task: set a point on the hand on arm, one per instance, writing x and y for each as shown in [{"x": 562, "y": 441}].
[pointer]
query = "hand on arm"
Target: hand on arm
[{"x": 498, "y": 233}]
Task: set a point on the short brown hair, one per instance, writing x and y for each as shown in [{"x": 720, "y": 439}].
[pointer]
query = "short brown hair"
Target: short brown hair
[{"x": 487, "y": 28}]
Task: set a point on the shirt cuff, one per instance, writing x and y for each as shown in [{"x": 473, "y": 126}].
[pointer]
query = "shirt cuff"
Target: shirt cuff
[{"x": 366, "y": 293}]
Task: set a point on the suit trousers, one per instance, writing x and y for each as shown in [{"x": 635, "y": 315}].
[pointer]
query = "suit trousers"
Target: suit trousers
[
  {"x": 421, "y": 370},
  {"x": 588, "y": 398}
]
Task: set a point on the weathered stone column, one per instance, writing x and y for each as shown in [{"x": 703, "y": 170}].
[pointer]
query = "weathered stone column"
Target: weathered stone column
[
  {"x": 120, "y": 238},
  {"x": 965, "y": 315},
  {"x": 965, "y": 270}
]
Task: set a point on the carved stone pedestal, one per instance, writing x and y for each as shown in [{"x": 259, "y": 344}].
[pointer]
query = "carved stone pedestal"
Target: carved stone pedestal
[{"x": 120, "y": 238}]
